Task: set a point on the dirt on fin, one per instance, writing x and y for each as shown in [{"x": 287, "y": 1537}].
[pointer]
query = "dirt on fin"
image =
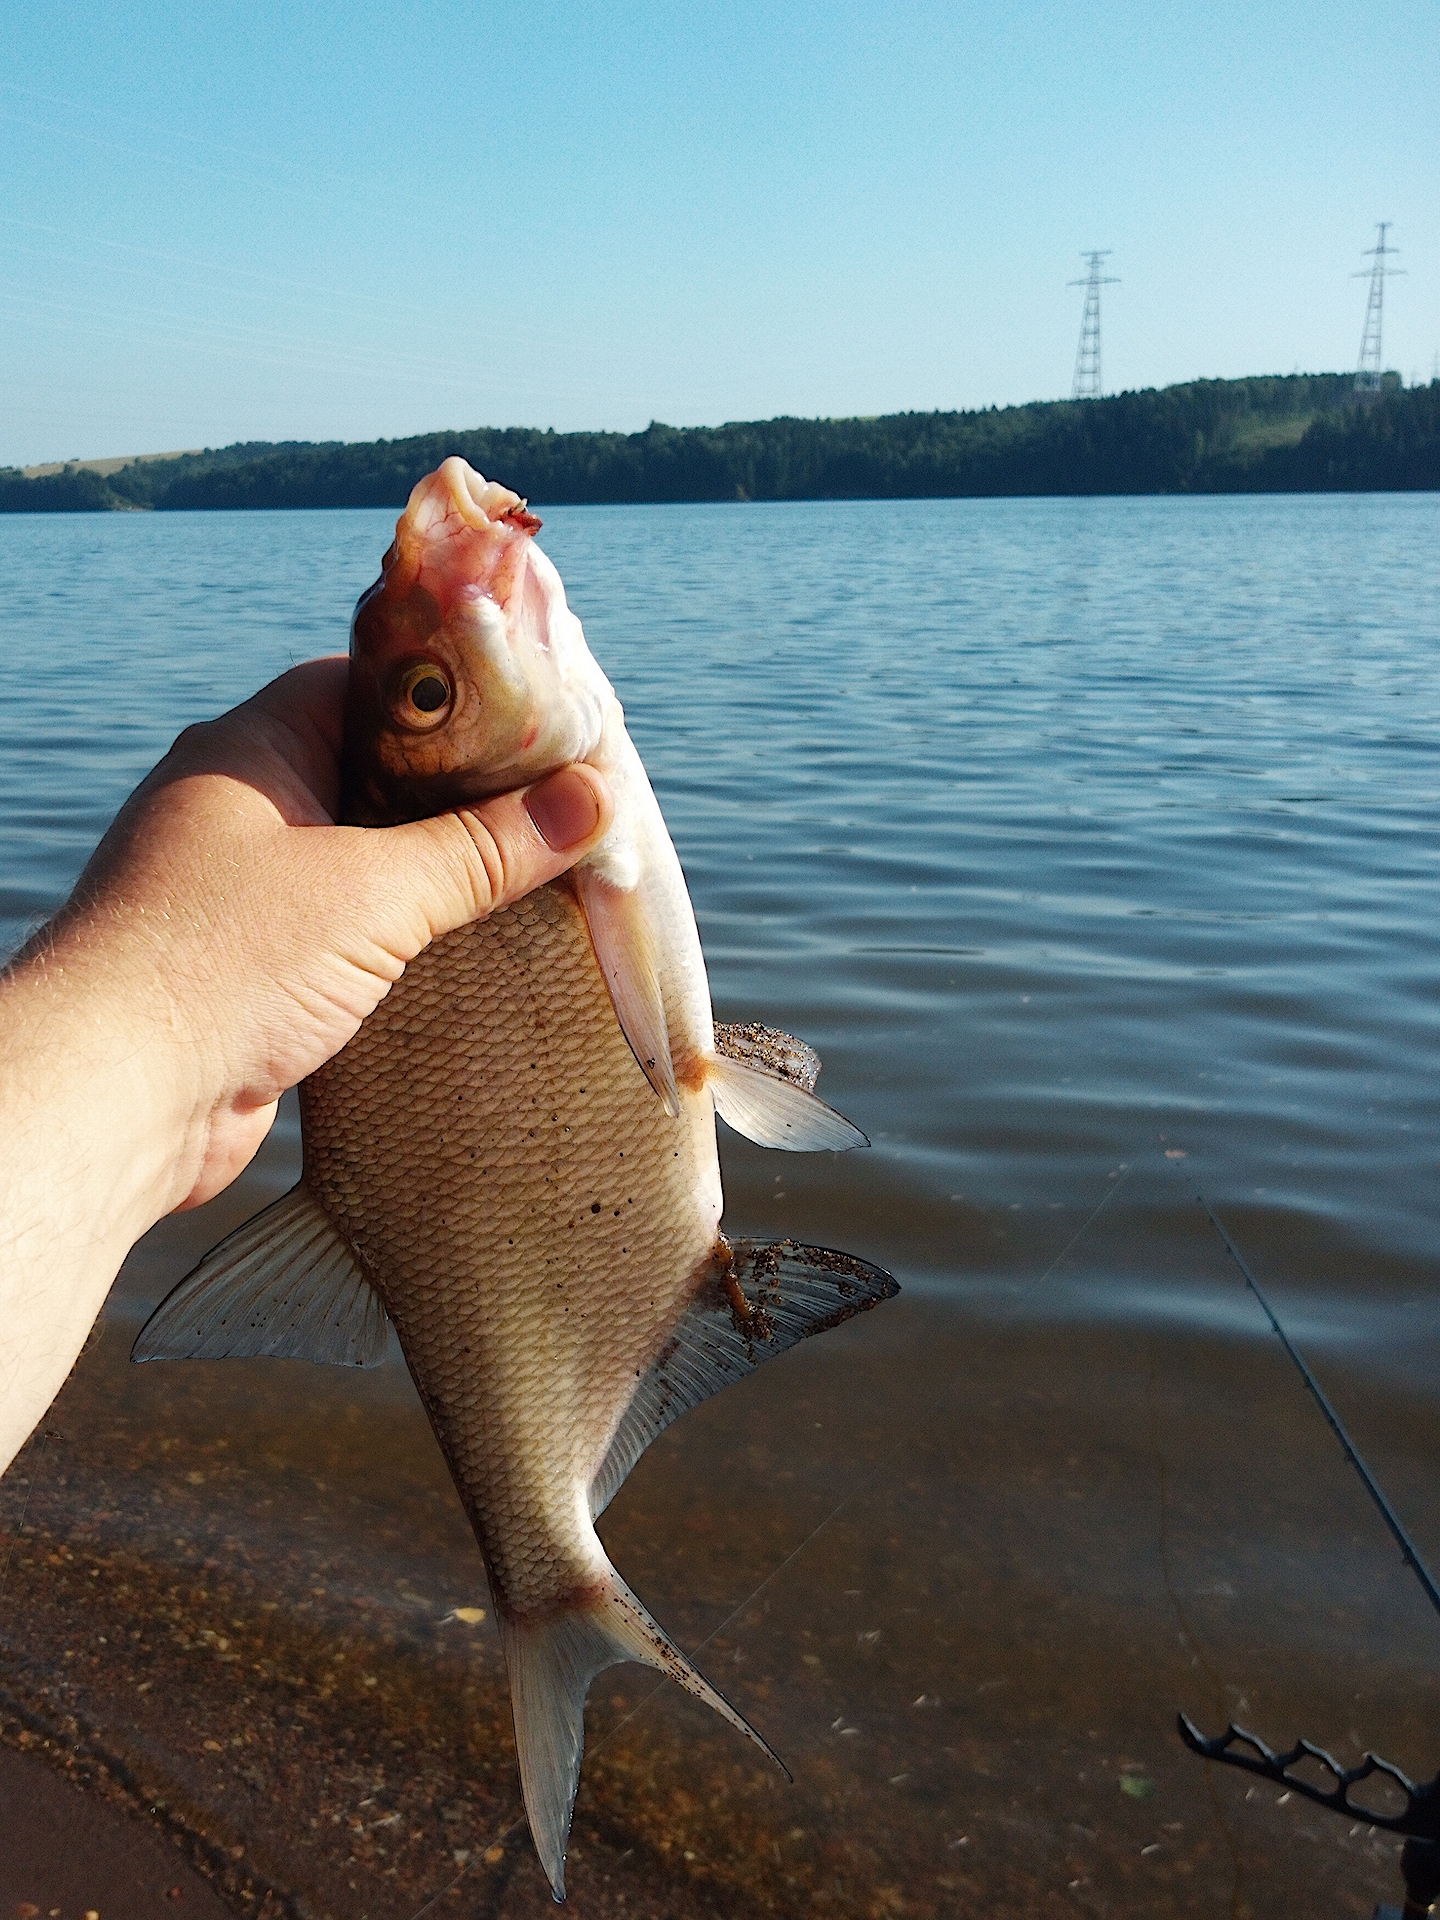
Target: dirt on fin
[
  {"x": 762, "y": 1298},
  {"x": 778, "y": 1053},
  {"x": 284, "y": 1286},
  {"x": 551, "y": 1662}
]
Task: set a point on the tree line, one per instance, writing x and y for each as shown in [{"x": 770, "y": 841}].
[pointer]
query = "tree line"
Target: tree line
[{"x": 1282, "y": 433}]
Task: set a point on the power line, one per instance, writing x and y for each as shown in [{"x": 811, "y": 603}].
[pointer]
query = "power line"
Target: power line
[
  {"x": 1087, "y": 358},
  {"x": 1368, "y": 373}
]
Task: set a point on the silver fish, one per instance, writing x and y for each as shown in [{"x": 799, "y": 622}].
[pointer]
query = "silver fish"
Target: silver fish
[{"x": 514, "y": 1161}]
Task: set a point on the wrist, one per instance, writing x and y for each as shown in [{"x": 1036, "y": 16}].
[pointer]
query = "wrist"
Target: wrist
[{"x": 95, "y": 1082}]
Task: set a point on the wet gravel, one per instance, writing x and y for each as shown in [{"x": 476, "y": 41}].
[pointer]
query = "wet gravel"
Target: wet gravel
[{"x": 960, "y": 1567}]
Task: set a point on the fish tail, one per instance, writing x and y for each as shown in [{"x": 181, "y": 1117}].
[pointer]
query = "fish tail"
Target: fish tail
[{"x": 551, "y": 1660}]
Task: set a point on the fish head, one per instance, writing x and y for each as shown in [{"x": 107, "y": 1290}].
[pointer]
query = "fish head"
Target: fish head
[{"x": 469, "y": 674}]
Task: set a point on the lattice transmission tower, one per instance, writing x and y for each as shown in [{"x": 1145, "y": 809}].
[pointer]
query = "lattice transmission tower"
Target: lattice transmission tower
[
  {"x": 1087, "y": 358},
  {"x": 1368, "y": 374}
]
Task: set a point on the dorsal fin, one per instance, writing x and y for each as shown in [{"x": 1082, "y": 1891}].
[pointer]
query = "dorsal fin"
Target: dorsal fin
[
  {"x": 285, "y": 1285},
  {"x": 770, "y": 1296}
]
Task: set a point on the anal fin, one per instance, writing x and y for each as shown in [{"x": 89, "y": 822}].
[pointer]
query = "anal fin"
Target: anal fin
[
  {"x": 766, "y": 1298},
  {"x": 285, "y": 1285}
]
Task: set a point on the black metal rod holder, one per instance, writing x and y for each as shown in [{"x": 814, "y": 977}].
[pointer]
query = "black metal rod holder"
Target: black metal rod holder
[{"x": 1418, "y": 1821}]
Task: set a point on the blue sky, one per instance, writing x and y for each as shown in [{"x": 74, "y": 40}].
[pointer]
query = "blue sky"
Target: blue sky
[{"x": 346, "y": 221}]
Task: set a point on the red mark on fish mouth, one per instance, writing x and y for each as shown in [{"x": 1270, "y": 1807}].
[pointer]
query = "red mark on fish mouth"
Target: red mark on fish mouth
[{"x": 522, "y": 517}]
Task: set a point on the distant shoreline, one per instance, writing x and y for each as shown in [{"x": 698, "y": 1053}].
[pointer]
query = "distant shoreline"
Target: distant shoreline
[
  {"x": 111, "y": 464},
  {"x": 1292, "y": 433}
]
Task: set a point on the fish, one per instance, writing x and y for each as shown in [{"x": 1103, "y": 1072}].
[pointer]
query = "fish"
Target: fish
[{"x": 513, "y": 1163}]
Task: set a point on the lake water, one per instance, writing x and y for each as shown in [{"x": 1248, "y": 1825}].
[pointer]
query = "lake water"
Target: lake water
[{"x": 1094, "y": 846}]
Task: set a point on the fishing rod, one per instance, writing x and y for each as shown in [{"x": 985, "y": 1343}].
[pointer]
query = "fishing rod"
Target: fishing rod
[
  {"x": 1337, "y": 1426},
  {"x": 1419, "y": 1820}
]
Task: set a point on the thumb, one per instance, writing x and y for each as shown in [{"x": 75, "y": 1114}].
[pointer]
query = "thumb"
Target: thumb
[{"x": 465, "y": 865}]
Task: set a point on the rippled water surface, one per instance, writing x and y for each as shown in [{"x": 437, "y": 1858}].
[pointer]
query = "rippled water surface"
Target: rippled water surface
[
  {"x": 1093, "y": 844},
  {"x": 1056, "y": 825}
]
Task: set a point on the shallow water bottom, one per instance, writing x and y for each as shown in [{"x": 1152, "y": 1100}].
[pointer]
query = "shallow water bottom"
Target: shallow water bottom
[{"x": 960, "y": 1562}]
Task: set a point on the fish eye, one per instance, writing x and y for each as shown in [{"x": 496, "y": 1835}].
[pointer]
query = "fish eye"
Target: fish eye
[{"x": 423, "y": 696}]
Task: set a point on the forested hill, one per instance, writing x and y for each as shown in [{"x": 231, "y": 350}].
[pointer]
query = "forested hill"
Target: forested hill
[{"x": 1292, "y": 433}]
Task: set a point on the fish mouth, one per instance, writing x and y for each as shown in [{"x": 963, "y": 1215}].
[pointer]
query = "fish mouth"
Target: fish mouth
[
  {"x": 451, "y": 503},
  {"x": 455, "y": 487}
]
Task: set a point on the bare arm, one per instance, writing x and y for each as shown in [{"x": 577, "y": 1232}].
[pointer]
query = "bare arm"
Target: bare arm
[{"x": 224, "y": 941}]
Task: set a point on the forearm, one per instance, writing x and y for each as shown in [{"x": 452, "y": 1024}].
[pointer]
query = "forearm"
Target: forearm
[{"x": 93, "y": 1138}]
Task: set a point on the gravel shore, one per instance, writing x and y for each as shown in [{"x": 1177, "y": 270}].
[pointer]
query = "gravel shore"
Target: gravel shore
[{"x": 961, "y": 1568}]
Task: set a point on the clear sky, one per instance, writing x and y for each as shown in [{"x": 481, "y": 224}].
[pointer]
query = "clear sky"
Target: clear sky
[{"x": 325, "y": 220}]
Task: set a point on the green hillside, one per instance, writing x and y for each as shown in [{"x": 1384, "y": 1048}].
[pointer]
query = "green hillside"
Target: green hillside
[{"x": 1290, "y": 433}]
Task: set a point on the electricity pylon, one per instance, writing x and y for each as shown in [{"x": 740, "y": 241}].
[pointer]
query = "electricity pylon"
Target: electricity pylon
[
  {"x": 1368, "y": 373},
  {"x": 1087, "y": 357}
]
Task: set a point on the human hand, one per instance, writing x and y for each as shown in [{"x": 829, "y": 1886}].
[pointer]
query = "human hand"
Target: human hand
[
  {"x": 224, "y": 941},
  {"x": 239, "y": 937}
]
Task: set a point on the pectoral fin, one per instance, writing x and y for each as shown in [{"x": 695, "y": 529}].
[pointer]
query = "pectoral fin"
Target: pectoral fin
[
  {"x": 284, "y": 1285},
  {"x": 766, "y": 1299},
  {"x": 625, "y": 950}
]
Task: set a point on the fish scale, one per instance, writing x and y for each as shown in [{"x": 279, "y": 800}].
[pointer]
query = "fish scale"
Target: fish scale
[{"x": 505, "y": 1029}]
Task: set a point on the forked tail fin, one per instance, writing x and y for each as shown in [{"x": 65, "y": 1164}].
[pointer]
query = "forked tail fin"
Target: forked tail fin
[{"x": 552, "y": 1661}]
